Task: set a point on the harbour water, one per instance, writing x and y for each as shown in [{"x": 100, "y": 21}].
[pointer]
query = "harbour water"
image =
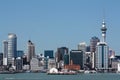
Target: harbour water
[{"x": 44, "y": 76}]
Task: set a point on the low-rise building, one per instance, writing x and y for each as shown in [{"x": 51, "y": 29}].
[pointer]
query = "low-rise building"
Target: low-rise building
[
  {"x": 19, "y": 63},
  {"x": 51, "y": 63},
  {"x": 34, "y": 64},
  {"x": 72, "y": 66}
]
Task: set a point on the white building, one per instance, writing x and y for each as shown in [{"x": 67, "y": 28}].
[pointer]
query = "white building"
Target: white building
[
  {"x": 34, "y": 64},
  {"x": 118, "y": 67},
  {"x": 5, "y": 52},
  {"x": 51, "y": 63},
  {"x": 26, "y": 67}
]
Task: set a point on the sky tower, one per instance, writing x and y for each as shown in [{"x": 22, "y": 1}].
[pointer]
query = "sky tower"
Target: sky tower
[
  {"x": 102, "y": 50},
  {"x": 103, "y": 29}
]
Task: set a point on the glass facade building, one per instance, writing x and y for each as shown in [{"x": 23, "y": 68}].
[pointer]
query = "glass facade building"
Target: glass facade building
[
  {"x": 83, "y": 46},
  {"x": 48, "y": 53},
  {"x": 61, "y": 52},
  {"x": 12, "y": 47},
  {"x": 66, "y": 59},
  {"x": 102, "y": 51},
  {"x": 76, "y": 56},
  {"x": 20, "y": 53},
  {"x": 1, "y": 59}
]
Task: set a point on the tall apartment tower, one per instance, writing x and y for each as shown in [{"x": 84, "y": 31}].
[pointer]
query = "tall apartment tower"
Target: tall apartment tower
[
  {"x": 31, "y": 51},
  {"x": 12, "y": 47},
  {"x": 5, "y": 52},
  {"x": 102, "y": 51}
]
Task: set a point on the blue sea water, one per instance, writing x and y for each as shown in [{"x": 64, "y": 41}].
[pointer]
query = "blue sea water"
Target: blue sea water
[{"x": 44, "y": 76}]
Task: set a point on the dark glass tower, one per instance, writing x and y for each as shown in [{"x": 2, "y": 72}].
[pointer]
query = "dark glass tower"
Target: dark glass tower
[
  {"x": 48, "y": 53},
  {"x": 61, "y": 52},
  {"x": 77, "y": 57}
]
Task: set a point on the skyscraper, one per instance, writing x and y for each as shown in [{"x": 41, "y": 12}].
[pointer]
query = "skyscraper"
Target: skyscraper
[
  {"x": 5, "y": 52},
  {"x": 12, "y": 47},
  {"x": 102, "y": 51},
  {"x": 83, "y": 46},
  {"x": 61, "y": 52},
  {"x": 66, "y": 59},
  {"x": 102, "y": 56},
  {"x": 76, "y": 56},
  {"x": 48, "y": 53},
  {"x": 31, "y": 51},
  {"x": 93, "y": 42},
  {"x": 59, "y": 56}
]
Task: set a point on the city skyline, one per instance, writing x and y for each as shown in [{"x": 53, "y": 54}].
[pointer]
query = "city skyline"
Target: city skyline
[{"x": 53, "y": 24}]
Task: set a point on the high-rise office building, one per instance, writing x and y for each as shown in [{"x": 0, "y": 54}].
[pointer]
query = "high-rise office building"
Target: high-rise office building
[
  {"x": 60, "y": 53},
  {"x": 88, "y": 49},
  {"x": 93, "y": 42},
  {"x": 102, "y": 51},
  {"x": 12, "y": 47},
  {"x": 5, "y": 52},
  {"x": 48, "y": 53},
  {"x": 1, "y": 59},
  {"x": 31, "y": 51},
  {"x": 76, "y": 56},
  {"x": 102, "y": 56},
  {"x": 20, "y": 53},
  {"x": 66, "y": 59},
  {"x": 83, "y": 46}
]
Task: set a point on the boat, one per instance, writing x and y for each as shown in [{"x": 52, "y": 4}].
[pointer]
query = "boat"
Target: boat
[
  {"x": 54, "y": 71},
  {"x": 7, "y": 72},
  {"x": 89, "y": 71},
  {"x": 86, "y": 71},
  {"x": 62, "y": 73},
  {"x": 93, "y": 71},
  {"x": 28, "y": 71}
]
